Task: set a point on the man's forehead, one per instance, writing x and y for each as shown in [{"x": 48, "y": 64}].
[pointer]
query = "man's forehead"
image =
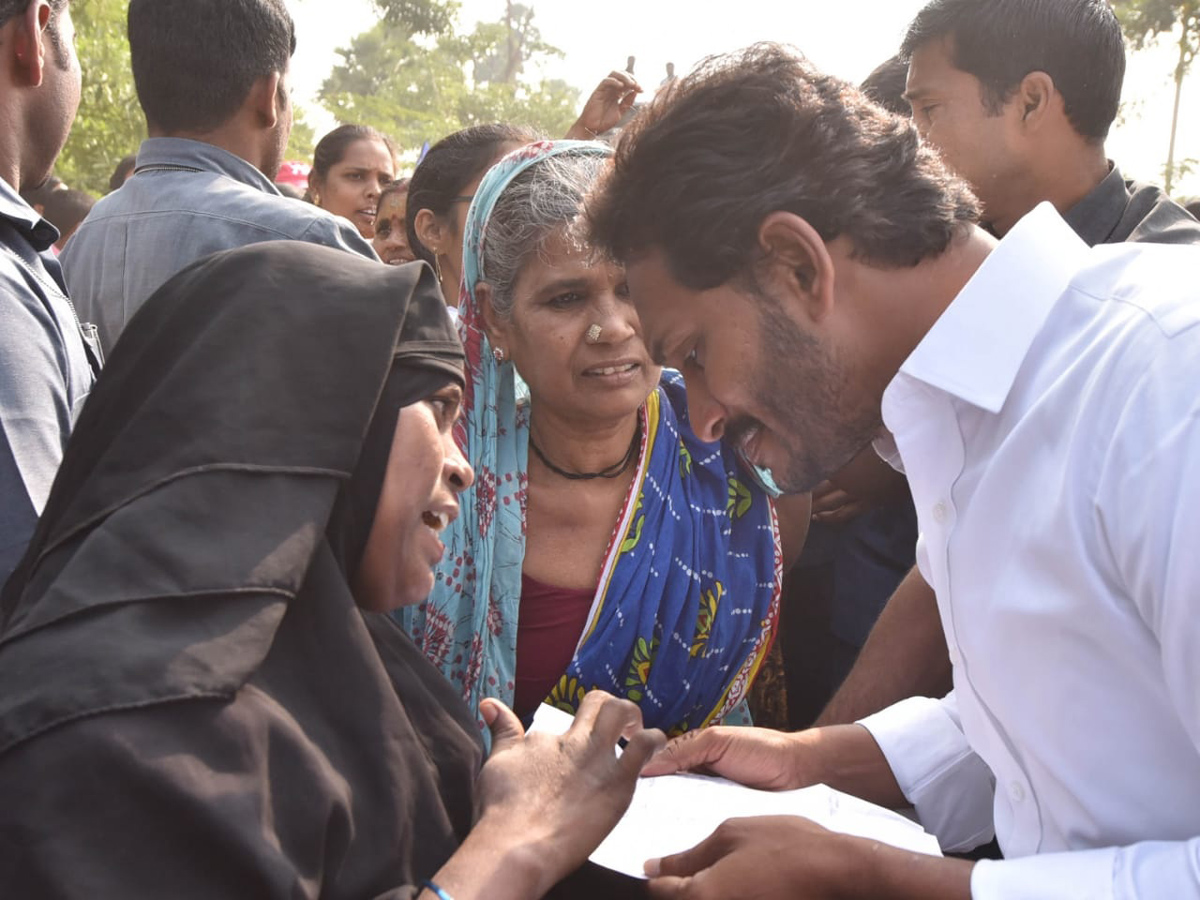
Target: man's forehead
[
  {"x": 931, "y": 65},
  {"x": 666, "y": 307},
  {"x": 654, "y": 288},
  {"x": 652, "y": 266}
]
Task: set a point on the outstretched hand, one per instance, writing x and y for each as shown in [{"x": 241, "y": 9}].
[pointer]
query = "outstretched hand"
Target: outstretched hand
[
  {"x": 612, "y": 98},
  {"x": 560, "y": 795},
  {"x": 791, "y": 858},
  {"x": 782, "y": 857},
  {"x": 758, "y": 757}
]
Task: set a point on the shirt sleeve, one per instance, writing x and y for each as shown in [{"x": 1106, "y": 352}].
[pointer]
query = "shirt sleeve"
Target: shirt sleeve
[
  {"x": 1150, "y": 519},
  {"x": 1144, "y": 871},
  {"x": 947, "y": 783},
  {"x": 35, "y": 413},
  {"x": 340, "y": 234},
  {"x": 1149, "y": 515}
]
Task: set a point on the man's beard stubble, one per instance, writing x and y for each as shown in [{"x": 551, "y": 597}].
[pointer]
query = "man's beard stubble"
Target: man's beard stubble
[{"x": 806, "y": 392}]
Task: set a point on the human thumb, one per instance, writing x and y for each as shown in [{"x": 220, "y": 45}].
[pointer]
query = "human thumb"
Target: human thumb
[{"x": 503, "y": 722}]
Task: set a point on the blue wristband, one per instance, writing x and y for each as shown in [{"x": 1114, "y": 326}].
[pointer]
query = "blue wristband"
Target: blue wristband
[{"x": 429, "y": 885}]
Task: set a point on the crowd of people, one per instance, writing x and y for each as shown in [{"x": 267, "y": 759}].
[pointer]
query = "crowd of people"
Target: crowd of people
[{"x": 860, "y": 453}]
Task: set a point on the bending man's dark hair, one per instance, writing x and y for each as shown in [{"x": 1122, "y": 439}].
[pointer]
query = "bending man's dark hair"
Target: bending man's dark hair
[
  {"x": 122, "y": 172},
  {"x": 66, "y": 209},
  {"x": 331, "y": 149},
  {"x": 1077, "y": 43},
  {"x": 195, "y": 61},
  {"x": 886, "y": 85},
  {"x": 760, "y": 131},
  {"x": 449, "y": 166}
]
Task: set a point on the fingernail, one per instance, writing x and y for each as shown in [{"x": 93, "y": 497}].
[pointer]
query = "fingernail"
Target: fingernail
[{"x": 652, "y": 867}]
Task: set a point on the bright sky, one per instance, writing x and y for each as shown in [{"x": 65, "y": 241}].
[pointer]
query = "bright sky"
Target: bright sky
[{"x": 846, "y": 39}]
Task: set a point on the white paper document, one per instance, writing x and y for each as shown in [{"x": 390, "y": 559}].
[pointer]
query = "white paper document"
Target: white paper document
[{"x": 672, "y": 813}]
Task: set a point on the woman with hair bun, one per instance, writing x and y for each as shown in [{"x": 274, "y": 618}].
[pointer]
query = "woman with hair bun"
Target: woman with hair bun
[{"x": 351, "y": 167}]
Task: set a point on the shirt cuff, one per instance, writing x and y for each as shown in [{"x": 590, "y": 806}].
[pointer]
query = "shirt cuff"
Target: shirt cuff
[
  {"x": 1083, "y": 875},
  {"x": 949, "y": 785}
]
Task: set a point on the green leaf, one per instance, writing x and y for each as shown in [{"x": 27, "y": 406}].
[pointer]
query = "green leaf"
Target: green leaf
[
  {"x": 109, "y": 124},
  {"x": 420, "y": 89}
]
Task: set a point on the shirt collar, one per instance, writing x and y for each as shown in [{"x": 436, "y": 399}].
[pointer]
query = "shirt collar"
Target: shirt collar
[
  {"x": 1095, "y": 217},
  {"x": 169, "y": 151},
  {"x": 975, "y": 348},
  {"x": 13, "y": 208}
]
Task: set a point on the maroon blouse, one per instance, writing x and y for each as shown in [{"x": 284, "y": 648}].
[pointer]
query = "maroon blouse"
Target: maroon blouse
[{"x": 549, "y": 626}]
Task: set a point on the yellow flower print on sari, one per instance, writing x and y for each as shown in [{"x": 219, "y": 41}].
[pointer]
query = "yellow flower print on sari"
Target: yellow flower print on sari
[
  {"x": 685, "y": 461},
  {"x": 635, "y": 530},
  {"x": 704, "y": 620},
  {"x": 639, "y": 669},
  {"x": 567, "y": 695},
  {"x": 740, "y": 499}
]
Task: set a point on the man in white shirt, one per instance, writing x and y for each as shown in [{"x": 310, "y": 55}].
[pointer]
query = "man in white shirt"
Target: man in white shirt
[{"x": 1041, "y": 398}]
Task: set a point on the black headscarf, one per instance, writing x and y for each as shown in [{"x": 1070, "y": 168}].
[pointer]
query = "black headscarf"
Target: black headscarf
[
  {"x": 191, "y": 703},
  {"x": 256, "y": 392},
  {"x": 418, "y": 372}
]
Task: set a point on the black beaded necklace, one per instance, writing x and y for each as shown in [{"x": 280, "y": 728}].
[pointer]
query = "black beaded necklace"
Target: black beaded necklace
[{"x": 611, "y": 472}]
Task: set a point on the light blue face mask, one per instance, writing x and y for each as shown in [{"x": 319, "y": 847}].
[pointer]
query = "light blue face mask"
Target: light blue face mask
[{"x": 765, "y": 479}]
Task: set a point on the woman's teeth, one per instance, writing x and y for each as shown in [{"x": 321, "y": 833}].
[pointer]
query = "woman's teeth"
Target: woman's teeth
[
  {"x": 436, "y": 521},
  {"x": 613, "y": 370}
]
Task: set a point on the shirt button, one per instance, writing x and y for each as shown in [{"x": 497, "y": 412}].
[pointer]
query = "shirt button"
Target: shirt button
[
  {"x": 939, "y": 512},
  {"x": 1016, "y": 791}
]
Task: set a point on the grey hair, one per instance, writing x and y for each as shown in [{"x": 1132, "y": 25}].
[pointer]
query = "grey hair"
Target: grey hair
[{"x": 543, "y": 202}]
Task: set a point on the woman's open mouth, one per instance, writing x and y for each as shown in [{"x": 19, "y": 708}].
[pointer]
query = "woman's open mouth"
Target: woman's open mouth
[
  {"x": 617, "y": 373},
  {"x": 436, "y": 521}
]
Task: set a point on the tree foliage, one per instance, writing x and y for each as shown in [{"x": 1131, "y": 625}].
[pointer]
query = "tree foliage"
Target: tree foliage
[
  {"x": 420, "y": 17},
  {"x": 1143, "y": 21},
  {"x": 419, "y": 88},
  {"x": 110, "y": 123},
  {"x": 302, "y": 141}
]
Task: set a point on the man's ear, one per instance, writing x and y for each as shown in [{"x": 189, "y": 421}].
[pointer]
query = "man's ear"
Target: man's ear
[
  {"x": 265, "y": 100},
  {"x": 1034, "y": 97},
  {"x": 429, "y": 231},
  {"x": 797, "y": 263},
  {"x": 29, "y": 40}
]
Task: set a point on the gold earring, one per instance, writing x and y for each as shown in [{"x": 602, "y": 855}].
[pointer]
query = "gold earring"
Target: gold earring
[{"x": 437, "y": 267}]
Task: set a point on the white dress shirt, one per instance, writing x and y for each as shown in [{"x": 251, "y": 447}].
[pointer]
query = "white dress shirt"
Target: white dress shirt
[{"x": 1049, "y": 426}]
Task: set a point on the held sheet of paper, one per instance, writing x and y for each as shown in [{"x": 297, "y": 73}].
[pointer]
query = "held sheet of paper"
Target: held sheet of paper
[{"x": 671, "y": 813}]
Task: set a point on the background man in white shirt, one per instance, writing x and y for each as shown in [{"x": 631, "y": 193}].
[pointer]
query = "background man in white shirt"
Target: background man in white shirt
[{"x": 1040, "y": 397}]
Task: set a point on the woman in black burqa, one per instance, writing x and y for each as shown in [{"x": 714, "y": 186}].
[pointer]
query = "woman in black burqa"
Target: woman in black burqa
[{"x": 194, "y": 698}]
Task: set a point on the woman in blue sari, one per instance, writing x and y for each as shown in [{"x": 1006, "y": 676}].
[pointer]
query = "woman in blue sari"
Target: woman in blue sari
[{"x": 602, "y": 545}]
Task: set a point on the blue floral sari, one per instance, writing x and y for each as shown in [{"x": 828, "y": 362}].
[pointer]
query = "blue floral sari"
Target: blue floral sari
[{"x": 688, "y": 599}]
